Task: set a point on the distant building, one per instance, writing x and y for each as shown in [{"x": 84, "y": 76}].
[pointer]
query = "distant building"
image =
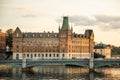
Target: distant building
[
  {"x": 115, "y": 52},
  {"x": 2, "y": 42},
  {"x": 103, "y": 49},
  {"x": 62, "y": 45}
]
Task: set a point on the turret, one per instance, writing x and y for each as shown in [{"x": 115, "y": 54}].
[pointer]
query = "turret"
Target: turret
[{"x": 65, "y": 25}]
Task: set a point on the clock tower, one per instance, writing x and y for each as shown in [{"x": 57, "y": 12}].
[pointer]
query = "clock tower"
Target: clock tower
[{"x": 65, "y": 36}]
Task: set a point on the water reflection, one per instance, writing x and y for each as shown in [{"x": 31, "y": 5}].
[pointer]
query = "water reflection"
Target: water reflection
[
  {"x": 59, "y": 73},
  {"x": 109, "y": 72}
]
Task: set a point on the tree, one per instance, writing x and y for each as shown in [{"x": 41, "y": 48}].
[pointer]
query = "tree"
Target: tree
[
  {"x": 115, "y": 51},
  {"x": 9, "y": 38},
  {"x": 97, "y": 55}
]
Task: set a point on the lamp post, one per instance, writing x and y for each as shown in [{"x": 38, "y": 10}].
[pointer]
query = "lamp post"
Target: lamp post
[{"x": 7, "y": 48}]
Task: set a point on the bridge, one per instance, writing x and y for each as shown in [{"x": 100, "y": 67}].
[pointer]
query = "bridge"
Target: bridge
[{"x": 75, "y": 62}]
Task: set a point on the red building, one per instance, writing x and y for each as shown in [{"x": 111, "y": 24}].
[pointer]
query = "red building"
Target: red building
[
  {"x": 2, "y": 42},
  {"x": 50, "y": 45}
]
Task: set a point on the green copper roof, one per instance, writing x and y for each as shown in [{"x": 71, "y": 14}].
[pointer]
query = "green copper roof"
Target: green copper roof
[{"x": 65, "y": 25}]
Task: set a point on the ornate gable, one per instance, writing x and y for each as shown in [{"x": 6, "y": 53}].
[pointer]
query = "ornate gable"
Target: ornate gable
[{"x": 17, "y": 33}]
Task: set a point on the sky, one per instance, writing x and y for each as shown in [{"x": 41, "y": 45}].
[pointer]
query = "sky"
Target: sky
[{"x": 103, "y": 16}]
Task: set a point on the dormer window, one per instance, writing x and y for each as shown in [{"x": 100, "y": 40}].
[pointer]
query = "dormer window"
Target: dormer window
[
  {"x": 33, "y": 35},
  {"x": 40, "y": 35},
  {"x": 55, "y": 35},
  {"x": 48, "y": 35},
  {"x": 26, "y": 35}
]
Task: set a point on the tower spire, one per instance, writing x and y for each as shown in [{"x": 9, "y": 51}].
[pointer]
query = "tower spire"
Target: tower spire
[
  {"x": 71, "y": 28},
  {"x": 65, "y": 25},
  {"x": 59, "y": 27}
]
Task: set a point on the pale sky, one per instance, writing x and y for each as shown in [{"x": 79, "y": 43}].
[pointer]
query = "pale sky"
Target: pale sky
[{"x": 103, "y": 16}]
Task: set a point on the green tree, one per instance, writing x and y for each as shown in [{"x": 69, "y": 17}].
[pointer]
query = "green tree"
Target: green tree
[
  {"x": 97, "y": 55},
  {"x": 115, "y": 51},
  {"x": 9, "y": 38}
]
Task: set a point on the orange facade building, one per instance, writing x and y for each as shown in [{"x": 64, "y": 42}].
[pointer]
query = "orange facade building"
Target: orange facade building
[
  {"x": 2, "y": 42},
  {"x": 62, "y": 45}
]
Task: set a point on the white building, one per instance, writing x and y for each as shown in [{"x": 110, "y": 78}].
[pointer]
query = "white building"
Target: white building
[{"x": 103, "y": 49}]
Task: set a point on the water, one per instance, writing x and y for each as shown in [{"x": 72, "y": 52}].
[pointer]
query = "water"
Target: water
[{"x": 58, "y": 73}]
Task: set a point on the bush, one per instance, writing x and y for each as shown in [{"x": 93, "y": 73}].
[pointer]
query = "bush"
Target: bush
[{"x": 97, "y": 55}]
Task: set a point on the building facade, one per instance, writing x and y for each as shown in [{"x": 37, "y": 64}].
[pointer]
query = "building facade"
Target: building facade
[
  {"x": 62, "y": 45},
  {"x": 2, "y": 42},
  {"x": 103, "y": 49}
]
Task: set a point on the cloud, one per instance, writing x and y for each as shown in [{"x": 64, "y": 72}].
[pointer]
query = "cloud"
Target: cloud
[
  {"x": 29, "y": 15},
  {"x": 82, "y": 20},
  {"x": 104, "y": 18},
  {"x": 104, "y": 22},
  {"x": 108, "y": 22},
  {"x": 26, "y": 12},
  {"x": 23, "y": 9}
]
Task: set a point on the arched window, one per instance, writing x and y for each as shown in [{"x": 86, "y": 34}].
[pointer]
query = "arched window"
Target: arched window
[
  {"x": 17, "y": 35},
  {"x": 63, "y": 55},
  {"x": 23, "y": 55},
  {"x": 57, "y": 55},
  {"x": 49, "y": 55},
  {"x": 46, "y": 55},
  {"x": 38, "y": 55},
  {"x": 34, "y": 55},
  {"x": 42, "y": 55},
  {"x": 54, "y": 55},
  {"x": 17, "y": 56},
  {"x": 27, "y": 55},
  {"x": 17, "y": 46}
]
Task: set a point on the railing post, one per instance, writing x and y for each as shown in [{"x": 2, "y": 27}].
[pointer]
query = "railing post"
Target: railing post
[
  {"x": 23, "y": 63},
  {"x": 91, "y": 62},
  {"x": 91, "y": 56}
]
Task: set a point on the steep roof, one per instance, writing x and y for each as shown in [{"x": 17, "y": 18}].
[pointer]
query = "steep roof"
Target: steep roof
[
  {"x": 17, "y": 32},
  {"x": 100, "y": 46},
  {"x": 88, "y": 33},
  {"x": 65, "y": 25}
]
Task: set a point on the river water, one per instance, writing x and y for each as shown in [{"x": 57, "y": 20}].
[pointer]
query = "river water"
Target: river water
[{"x": 58, "y": 73}]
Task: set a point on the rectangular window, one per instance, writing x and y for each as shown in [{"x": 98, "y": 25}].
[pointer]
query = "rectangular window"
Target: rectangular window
[
  {"x": 69, "y": 55},
  {"x": 27, "y": 55},
  {"x": 46, "y": 55},
  {"x": 54, "y": 55},
  {"x": 50, "y": 55},
  {"x": 34, "y": 55},
  {"x": 38, "y": 55},
  {"x": 42, "y": 55},
  {"x": 57, "y": 55},
  {"x": 17, "y": 46},
  {"x": 23, "y": 55},
  {"x": 63, "y": 55}
]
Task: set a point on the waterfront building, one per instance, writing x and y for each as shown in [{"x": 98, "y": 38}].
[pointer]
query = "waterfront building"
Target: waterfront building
[
  {"x": 103, "y": 49},
  {"x": 2, "y": 42},
  {"x": 51, "y": 45},
  {"x": 115, "y": 52}
]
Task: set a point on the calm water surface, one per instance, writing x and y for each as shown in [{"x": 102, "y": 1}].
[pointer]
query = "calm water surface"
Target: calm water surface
[{"x": 59, "y": 73}]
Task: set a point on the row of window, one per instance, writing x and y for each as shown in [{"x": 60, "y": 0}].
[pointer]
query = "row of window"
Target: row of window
[
  {"x": 79, "y": 47},
  {"x": 52, "y": 55},
  {"x": 78, "y": 55},
  {"x": 2, "y": 39},
  {"x": 42, "y": 55},
  {"x": 50, "y": 42},
  {"x": 56, "y": 50},
  {"x": 41, "y": 35}
]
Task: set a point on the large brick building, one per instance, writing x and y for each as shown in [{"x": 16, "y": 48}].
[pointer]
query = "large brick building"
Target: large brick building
[
  {"x": 2, "y": 42},
  {"x": 62, "y": 45}
]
